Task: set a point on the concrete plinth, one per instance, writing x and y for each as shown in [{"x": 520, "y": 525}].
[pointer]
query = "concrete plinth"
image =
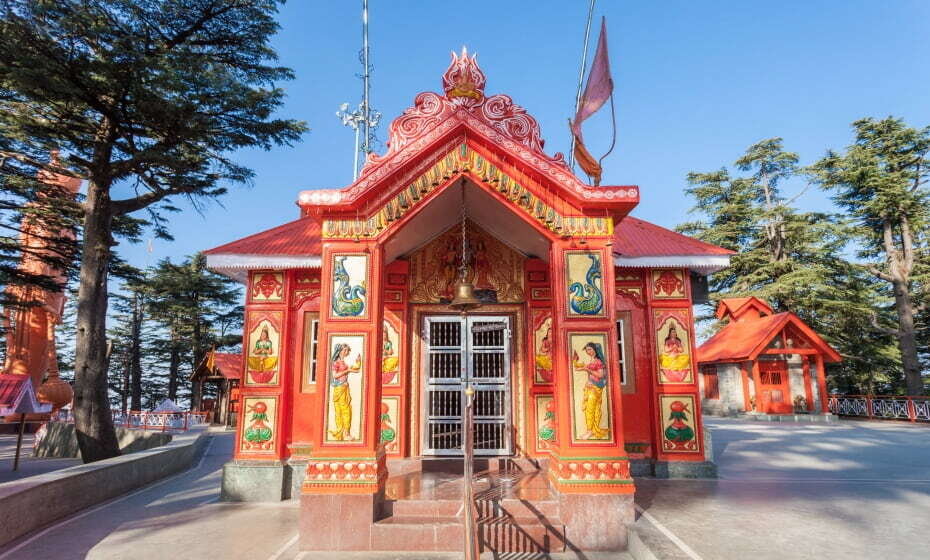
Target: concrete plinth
[
  {"x": 596, "y": 522},
  {"x": 685, "y": 469},
  {"x": 294, "y": 474},
  {"x": 337, "y": 522},
  {"x": 254, "y": 481}
]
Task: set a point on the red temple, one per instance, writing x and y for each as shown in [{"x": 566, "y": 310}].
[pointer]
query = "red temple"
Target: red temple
[
  {"x": 581, "y": 354},
  {"x": 763, "y": 362}
]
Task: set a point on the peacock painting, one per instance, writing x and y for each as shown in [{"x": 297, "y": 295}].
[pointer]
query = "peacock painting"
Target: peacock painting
[
  {"x": 585, "y": 297},
  {"x": 348, "y": 297}
]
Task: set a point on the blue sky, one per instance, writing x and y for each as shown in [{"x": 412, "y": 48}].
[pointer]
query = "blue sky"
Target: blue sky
[{"x": 695, "y": 84}]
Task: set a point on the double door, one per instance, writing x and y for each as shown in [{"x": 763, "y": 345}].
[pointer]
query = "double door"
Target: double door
[{"x": 460, "y": 352}]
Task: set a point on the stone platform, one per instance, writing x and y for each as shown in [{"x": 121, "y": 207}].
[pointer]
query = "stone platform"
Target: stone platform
[{"x": 423, "y": 511}]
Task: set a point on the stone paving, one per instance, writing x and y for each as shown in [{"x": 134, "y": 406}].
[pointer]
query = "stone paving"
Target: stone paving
[
  {"x": 787, "y": 491},
  {"x": 844, "y": 490},
  {"x": 28, "y": 465}
]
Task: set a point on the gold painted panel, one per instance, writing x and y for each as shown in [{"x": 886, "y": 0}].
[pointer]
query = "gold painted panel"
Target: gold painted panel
[{"x": 673, "y": 345}]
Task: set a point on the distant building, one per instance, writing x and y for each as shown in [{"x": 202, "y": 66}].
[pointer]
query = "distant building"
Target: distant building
[{"x": 763, "y": 362}]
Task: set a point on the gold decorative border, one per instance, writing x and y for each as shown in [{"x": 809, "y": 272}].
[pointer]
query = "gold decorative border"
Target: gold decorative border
[{"x": 460, "y": 160}]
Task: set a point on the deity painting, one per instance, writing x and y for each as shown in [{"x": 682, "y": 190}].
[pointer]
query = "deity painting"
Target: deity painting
[
  {"x": 542, "y": 343},
  {"x": 585, "y": 283},
  {"x": 350, "y": 280},
  {"x": 668, "y": 284},
  {"x": 258, "y": 430},
  {"x": 590, "y": 387},
  {"x": 346, "y": 383},
  {"x": 678, "y": 429},
  {"x": 545, "y": 422},
  {"x": 673, "y": 346},
  {"x": 267, "y": 287},
  {"x": 390, "y": 355},
  {"x": 388, "y": 424},
  {"x": 264, "y": 345},
  {"x": 492, "y": 267}
]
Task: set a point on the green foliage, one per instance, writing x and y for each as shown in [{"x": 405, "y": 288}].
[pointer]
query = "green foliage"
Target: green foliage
[{"x": 793, "y": 260}]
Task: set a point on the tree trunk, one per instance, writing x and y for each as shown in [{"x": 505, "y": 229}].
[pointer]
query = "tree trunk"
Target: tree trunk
[
  {"x": 907, "y": 338},
  {"x": 174, "y": 366},
  {"x": 135, "y": 353},
  {"x": 93, "y": 420}
]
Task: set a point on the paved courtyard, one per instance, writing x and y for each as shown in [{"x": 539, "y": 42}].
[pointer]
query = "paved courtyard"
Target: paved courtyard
[
  {"x": 852, "y": 490},
  {"x": 28, "y": 465}
]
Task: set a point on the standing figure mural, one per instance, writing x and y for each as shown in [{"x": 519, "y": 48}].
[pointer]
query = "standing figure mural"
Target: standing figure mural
[
  {"x": 390, "y": 361},
  {"x": 343, "y": 419},
  {"x": 543, "y": 343},
  {"x": 545, "y": 421},
  {"x": 349, "y": 281},
  {"x": 590, "y": 375},
  {"x": 585, "y": 294},
  {"x": 673, "y": 347}
]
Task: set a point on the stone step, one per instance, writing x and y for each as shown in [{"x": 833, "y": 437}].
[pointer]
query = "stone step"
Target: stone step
[
  {"x": 518, "y": 509},
  {"x": 418, "y": 533},
  {"x": 425, "y": 508},
  {"x": 508, "y": 535}
]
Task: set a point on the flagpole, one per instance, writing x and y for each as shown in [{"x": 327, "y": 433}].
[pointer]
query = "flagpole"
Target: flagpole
[{"x": 584, "y": 57}]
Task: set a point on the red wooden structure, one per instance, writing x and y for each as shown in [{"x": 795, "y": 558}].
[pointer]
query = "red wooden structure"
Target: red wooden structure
[
  {"x": 355, "y": 366},
  {"x": 747, "y": 361}
]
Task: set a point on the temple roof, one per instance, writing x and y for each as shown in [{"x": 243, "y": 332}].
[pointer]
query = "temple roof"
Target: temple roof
[
  {"x": 638, "y": 243},
  {"x": 742, "y": 307},
  {"x": 745, "y": 340},
  {"x": 225, "y": 364}
]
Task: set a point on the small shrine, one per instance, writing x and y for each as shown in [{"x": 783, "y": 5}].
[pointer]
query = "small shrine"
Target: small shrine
[
  {"x": 223, "y": 370},
  {"x": 580, "y": 352},
  {"x": 763, "y": 362}
]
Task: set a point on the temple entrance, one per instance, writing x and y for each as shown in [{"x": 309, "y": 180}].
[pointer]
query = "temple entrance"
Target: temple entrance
[
  {"x": 773, "y": 375},
  {"x": 459, "y": 352}
]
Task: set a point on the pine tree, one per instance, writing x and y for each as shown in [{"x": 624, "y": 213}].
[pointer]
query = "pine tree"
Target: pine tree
[
  {"x": 148, "y": 96},
  {"x": 881, "y": 182},
  {"x": 197, "y": 309},
  {"x": 791, "y": 259}
]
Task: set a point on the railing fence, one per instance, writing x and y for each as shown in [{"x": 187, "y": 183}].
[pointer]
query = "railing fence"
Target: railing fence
[
  {"x": 881, "y": 407},
  {"x": 143, "y": 420}
]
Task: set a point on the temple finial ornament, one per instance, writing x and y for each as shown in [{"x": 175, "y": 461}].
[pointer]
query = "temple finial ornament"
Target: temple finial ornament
[{"x": 464, "y": 81}]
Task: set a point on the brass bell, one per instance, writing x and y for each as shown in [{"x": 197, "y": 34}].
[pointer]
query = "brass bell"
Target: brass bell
[{"x": 465, "y": 299}]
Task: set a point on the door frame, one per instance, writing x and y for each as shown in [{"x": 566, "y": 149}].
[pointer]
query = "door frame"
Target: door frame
[
  {"x": 768, "y": 406},
  {"x": 519, "y": 388}
]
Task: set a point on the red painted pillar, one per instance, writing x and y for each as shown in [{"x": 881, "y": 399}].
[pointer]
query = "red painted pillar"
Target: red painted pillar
[
  {"x": 747, "y": 404},
  {"x": 344, "y": 484},
  {"x": 822, "y": 384}
]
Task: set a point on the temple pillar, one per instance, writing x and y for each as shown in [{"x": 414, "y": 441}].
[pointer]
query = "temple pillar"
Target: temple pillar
[
  {"x": 808, "y": 389},
  {"x": 343, "y": 490},
  {"x": 680, "y": 450},
  {"x": 256, "y": 472},
  {"x": 588, "y": 465},
  {"x": 744, "y": 377},
  {"x": 757, "y": 384}
]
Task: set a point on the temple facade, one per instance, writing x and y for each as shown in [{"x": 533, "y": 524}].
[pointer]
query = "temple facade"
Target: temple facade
[{"x": 581, "y": 355}]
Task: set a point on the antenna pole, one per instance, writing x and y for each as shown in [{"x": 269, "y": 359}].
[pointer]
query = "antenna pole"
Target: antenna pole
[
  {"x": 584, "y": 58},
  {"x": 366, "y": 110}
]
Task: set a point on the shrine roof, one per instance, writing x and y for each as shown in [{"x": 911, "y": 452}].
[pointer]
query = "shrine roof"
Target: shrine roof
[
  {"x": 17, "y": 396},
  {"x": 226, "y": 364},
  {"x": 638, "y": 243},
  {"x": 745, "y": 340},
  {"x": 295, "y": 244}
]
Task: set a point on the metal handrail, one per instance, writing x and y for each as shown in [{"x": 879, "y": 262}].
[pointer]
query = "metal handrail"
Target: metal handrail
[{"x": 468, "y": 491}]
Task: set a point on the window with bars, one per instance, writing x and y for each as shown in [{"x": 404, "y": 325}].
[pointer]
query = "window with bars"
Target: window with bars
[
  {"x": 625, "y": 351},
  {"x": 711, "y": 382},
  {"x": 311, "y": 338}
]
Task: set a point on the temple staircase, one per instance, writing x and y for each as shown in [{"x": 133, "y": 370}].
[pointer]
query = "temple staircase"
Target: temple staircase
[{"x": 517, "y": 510}]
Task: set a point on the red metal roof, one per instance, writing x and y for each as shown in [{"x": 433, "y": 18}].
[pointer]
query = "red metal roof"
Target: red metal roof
[
  {"x": 638, "y": 238},
  {"x": 745, "y": 340},
  {"x": 300, "y": 237},
  {"x": 229, "y": 365},
  {"x": 11, "y": 386},
  {"x": 738, "y": 307}
]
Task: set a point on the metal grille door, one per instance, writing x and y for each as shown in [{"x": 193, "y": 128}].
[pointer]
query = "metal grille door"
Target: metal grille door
[{"x": 459, "y": 352}]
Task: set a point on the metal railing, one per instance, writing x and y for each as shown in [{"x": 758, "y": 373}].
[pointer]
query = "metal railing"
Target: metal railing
[
  {"x": 143, "y": 420},
  {"x": 881, "y": 407}
]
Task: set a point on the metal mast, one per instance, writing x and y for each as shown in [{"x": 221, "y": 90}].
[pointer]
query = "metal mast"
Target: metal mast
[
  {"x": 584, "y": 58},
  {"x": 363, "y": 119}
]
